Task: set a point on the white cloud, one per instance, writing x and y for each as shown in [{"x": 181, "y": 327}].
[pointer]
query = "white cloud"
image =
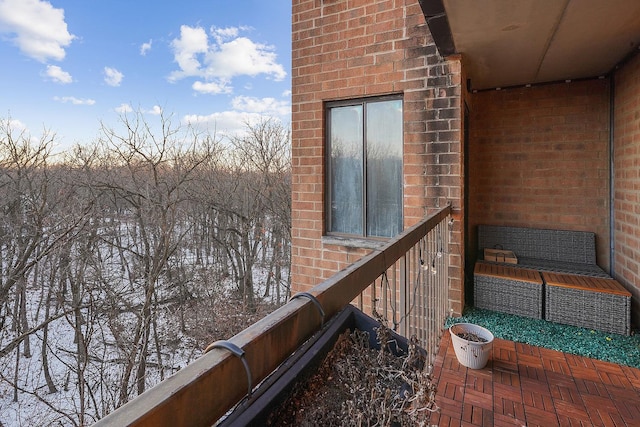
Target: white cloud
[
  {"x": 73, "y": 100},
  {"x": 36, "y": 27},
  {"x": 17, "y": 125},
  {"x": 211, "y": 87},
  {"x": 265, "y": 106},
  {"x": 192, "y": 41},
  {"x": 286, "y": 93},
  {"x": 112, "y": 77},
  {"x": 242, "y": 56},
  {"x": 123, "y": 108},
  {"x": 145, "y": 47},
  {"x": 58, "y": 75},
  {"x": 219, "y": 59},
  {"x": 19, "y": 130},
  {"x": 222, "y": 34},
  {"x": 223, "y": 123},
  {"x": 156, "y": 110},
  {"x": 245, "y": 110}
]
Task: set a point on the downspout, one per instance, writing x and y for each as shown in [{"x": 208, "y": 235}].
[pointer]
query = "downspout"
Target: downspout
[{"x": 612, "y": 250}]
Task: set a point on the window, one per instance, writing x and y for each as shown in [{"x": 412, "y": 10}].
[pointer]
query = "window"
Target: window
[{"x": 364, "y": 167}]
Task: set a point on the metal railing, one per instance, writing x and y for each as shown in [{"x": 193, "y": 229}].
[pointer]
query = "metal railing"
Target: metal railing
[
  {"x": 406, "y": 281},
  {"x": 412, "y": 294}
]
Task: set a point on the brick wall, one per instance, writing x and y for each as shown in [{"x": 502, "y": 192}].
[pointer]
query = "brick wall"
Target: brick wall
[
  {"x": 539, "y": 158},
  {"x": 627, "y": 181},
  {"x": 355, "y": 48}
]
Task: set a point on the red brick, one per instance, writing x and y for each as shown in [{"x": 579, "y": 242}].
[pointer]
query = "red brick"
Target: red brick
[
  {"x": 627, "y": 180},
  {"x": 535, "y": 138},
  {"x": 353, "y": 49}
]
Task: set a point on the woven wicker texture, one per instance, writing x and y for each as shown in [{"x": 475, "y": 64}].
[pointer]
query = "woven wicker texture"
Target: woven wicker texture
[
  {"x": 553, "y": 245},
  {"x": 594, "y": 303},
  {"x": 508, "y": 289},
  {"x": 557, "y": 254},
  {"x": 561, "y": 251},
  {"x": 594, "y": 310}
]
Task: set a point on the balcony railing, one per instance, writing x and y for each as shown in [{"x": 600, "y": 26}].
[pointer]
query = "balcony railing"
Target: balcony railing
[
  {"x": 412, "y": 294},
  {"x": 406, "y": 282}
]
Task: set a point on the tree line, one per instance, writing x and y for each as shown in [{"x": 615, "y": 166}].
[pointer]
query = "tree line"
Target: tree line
[{"x": 120, "y": 259}]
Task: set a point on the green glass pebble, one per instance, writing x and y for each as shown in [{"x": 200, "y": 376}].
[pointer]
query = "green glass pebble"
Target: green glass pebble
[{"x": 620, "y": 349}]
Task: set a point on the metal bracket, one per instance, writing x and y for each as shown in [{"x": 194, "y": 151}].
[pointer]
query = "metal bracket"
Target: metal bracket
[
  {"x": 314, "y": 300},
  {"x": 238, "y": 352}
]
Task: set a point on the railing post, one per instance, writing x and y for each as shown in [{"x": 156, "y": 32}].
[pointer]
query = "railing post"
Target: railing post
[{"x": 403, "y": 296}]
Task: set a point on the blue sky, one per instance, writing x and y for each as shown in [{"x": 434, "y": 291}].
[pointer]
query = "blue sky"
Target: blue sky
[{"x": 67, "y": 65}]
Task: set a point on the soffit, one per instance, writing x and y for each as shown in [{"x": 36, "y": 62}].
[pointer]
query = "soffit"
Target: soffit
[{"x": 515, "y": 42}]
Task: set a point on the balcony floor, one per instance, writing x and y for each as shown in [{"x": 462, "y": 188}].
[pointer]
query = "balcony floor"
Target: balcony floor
[{"x": 523, "y": 385}]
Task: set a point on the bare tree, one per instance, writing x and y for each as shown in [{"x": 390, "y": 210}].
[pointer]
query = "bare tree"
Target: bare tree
[
  {"x": 146, "y": 173},
  {"x": 34, "y": 224},
  {"x": 264, "y": 154},
  {"x": 151, "y": 230}
]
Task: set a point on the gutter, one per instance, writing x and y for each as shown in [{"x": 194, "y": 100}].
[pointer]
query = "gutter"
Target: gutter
[
  {"x": 436, "y": 16},
  {"x": 612, "y": 246}
]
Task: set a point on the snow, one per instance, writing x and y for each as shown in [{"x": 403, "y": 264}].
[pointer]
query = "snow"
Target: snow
[{"x": 103, "y": 371}]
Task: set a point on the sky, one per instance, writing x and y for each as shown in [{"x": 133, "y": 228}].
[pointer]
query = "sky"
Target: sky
[{"x": 69, "y": 65}]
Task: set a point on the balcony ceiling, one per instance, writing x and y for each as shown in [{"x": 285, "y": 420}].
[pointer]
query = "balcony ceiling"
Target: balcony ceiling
[{"x": 508, "y": 42}]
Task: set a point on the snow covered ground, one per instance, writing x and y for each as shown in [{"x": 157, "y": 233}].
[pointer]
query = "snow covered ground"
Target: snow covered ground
[{"x": 75, "y": 403}]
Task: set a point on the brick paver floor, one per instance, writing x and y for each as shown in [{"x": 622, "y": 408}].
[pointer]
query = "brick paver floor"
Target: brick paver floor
[{"x": 523, "y": 385}]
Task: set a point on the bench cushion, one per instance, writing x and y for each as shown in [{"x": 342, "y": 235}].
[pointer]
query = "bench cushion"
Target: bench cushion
[{"x": 562, "y": 267}]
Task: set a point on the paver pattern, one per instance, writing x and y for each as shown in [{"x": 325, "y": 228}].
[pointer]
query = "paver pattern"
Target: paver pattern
[{"x": 524, "y": 385}]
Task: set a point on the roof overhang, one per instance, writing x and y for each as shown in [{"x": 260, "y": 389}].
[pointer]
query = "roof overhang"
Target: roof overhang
[{"x": 509, "y": 43}]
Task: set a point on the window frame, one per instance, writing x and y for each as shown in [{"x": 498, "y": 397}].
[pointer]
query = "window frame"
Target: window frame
[{"x": 328, "y": 106}]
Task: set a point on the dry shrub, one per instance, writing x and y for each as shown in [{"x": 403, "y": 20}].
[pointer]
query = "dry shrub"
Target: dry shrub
[{"x": 356, "y": 385}]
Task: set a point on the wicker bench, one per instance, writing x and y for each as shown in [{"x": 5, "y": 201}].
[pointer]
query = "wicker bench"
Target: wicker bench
[
  {"x": 579, "y": 292},
  {"x": 588, "y": 302},
  {"x": 508, "y": 289},
  {"x": 560, "y": 251}
]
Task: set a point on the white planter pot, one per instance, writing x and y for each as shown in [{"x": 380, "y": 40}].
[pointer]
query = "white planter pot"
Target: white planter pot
[{"x": 471, "y": 354}]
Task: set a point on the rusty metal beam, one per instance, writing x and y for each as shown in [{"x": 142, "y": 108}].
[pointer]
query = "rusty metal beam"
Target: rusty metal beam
[{"x": 206, "y": 389}]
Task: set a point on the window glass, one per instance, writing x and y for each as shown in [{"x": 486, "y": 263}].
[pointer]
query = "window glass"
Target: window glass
[
  {"x": 364, "y": 173},
  {"x": 384, "y": 168},
  {"x": 346, "y": 170}
]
